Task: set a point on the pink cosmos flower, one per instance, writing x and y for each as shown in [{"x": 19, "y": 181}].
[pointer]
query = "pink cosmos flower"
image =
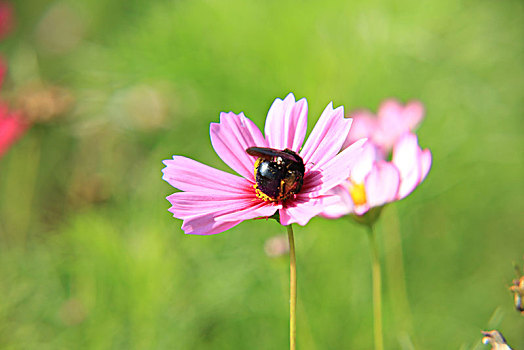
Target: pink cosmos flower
[
  {"x": 374, "y": 181},
  {"x": 392, "y": 121},
  {"x": 213, "y": 201}
]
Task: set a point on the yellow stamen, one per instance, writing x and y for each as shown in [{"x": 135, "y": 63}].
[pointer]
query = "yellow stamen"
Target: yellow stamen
[
  {"x": 257, "y": 164},
  {"x": 357, "y": 191}
]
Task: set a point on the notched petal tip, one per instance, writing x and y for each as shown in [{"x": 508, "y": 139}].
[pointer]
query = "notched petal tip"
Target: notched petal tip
[
  {"x": 286, "y": 123},
  {"x": 412, "y": 162},
  {"x": 290, "y": 97},
  {"x": 414, "y": 112},
  {"x": 327, "y": 137},
  {"x": 231, "y": 137}
]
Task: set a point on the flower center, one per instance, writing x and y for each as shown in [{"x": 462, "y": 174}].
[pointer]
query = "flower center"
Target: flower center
[
  {"x": 357, "y": 191},
  {"x": 278, "y": 174}
]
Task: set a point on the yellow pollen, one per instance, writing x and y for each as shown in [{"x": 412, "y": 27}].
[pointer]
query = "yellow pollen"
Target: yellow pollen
[
  {"x": 257, "y": 164},
  {"x": 357, "y": 191},
  {"x": 263, "y": 196}
]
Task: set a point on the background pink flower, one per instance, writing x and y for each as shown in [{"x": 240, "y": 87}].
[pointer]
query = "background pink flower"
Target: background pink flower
[
  {"x": 374, "y": 181},
  {"x": 213, "y": 201},
  {"x": 392, "y": 121},
  {"x": 12, "y": 125}
]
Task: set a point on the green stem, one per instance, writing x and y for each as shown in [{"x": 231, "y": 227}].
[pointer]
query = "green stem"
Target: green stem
[
  {"x": 292, "y": 290},
  {"x": 396, "y": 278},
  {"x": 377, "y": 291}
]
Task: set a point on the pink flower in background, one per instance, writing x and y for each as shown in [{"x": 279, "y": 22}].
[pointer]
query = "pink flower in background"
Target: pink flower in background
[
  {"x": 375, "y": 179},
  {"x": 372, "y": 183},
  {"x": 12, "y": 126},
  {"x": 412, "y": 162},
  {"x": 213, "y": 201},
  {"x": 392, "y": 121}
]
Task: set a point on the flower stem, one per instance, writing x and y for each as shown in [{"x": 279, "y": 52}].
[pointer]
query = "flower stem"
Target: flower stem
[
  {"x": 292, "y": 290},
  {"x": 396, "y": 278},
  {"x": 377, "y": 291}
]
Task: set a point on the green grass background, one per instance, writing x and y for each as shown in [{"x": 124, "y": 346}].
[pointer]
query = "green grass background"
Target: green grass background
[{"x": 91, "y": 259}]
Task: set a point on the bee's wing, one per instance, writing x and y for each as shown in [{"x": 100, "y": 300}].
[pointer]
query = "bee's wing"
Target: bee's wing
[{"x": 268, "y": 153}]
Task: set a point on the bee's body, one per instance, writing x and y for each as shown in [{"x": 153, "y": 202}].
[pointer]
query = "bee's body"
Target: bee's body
[{"x": 278, "y": 174}]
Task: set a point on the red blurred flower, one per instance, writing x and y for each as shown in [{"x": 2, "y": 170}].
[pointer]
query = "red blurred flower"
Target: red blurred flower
[
  {"x": 12, "y": 125},
  {"x": 6, "y": 18}
]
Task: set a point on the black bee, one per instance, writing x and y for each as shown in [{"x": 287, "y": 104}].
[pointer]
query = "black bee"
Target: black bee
[{"x": 278, "y": 174}]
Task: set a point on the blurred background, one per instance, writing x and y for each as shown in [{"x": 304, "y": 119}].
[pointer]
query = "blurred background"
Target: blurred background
[{"x": 90, "y": 258}]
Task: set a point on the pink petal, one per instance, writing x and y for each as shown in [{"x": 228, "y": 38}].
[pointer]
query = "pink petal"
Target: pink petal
[
  {"x": 413, "y": 114},
  {"x": 186, "y": 204},
  {"x": 303, "y": 208},
  {"x": 206, "y": 213},
  {"x": 206, "y": 225},
  {"x": 214, "y": 201},
  {"x": 230, "y": 139},
  {"x": 396, "y": 120},
  {"x": 391, "y": 124},
  {"x": 286, "y": 123},
  {"x": 189, "y": 175},
  {"x": 406, "y": 157},
  {"x": 327, "y": 137},
  {"x": 12, "y": 127},
  {"x": 425, "y": 163},
  {"x": 261, "y": 209},
  {"x": 361, "y": 209},
  {"x": 382, "y": 184},
  {"x": 390, "y": 111},
  {"x": 364, "y": 126},
  {"x": 343, "y": 204},
  {"x": 318, "y": 181},
  {"x": 365, "y": 163}
]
